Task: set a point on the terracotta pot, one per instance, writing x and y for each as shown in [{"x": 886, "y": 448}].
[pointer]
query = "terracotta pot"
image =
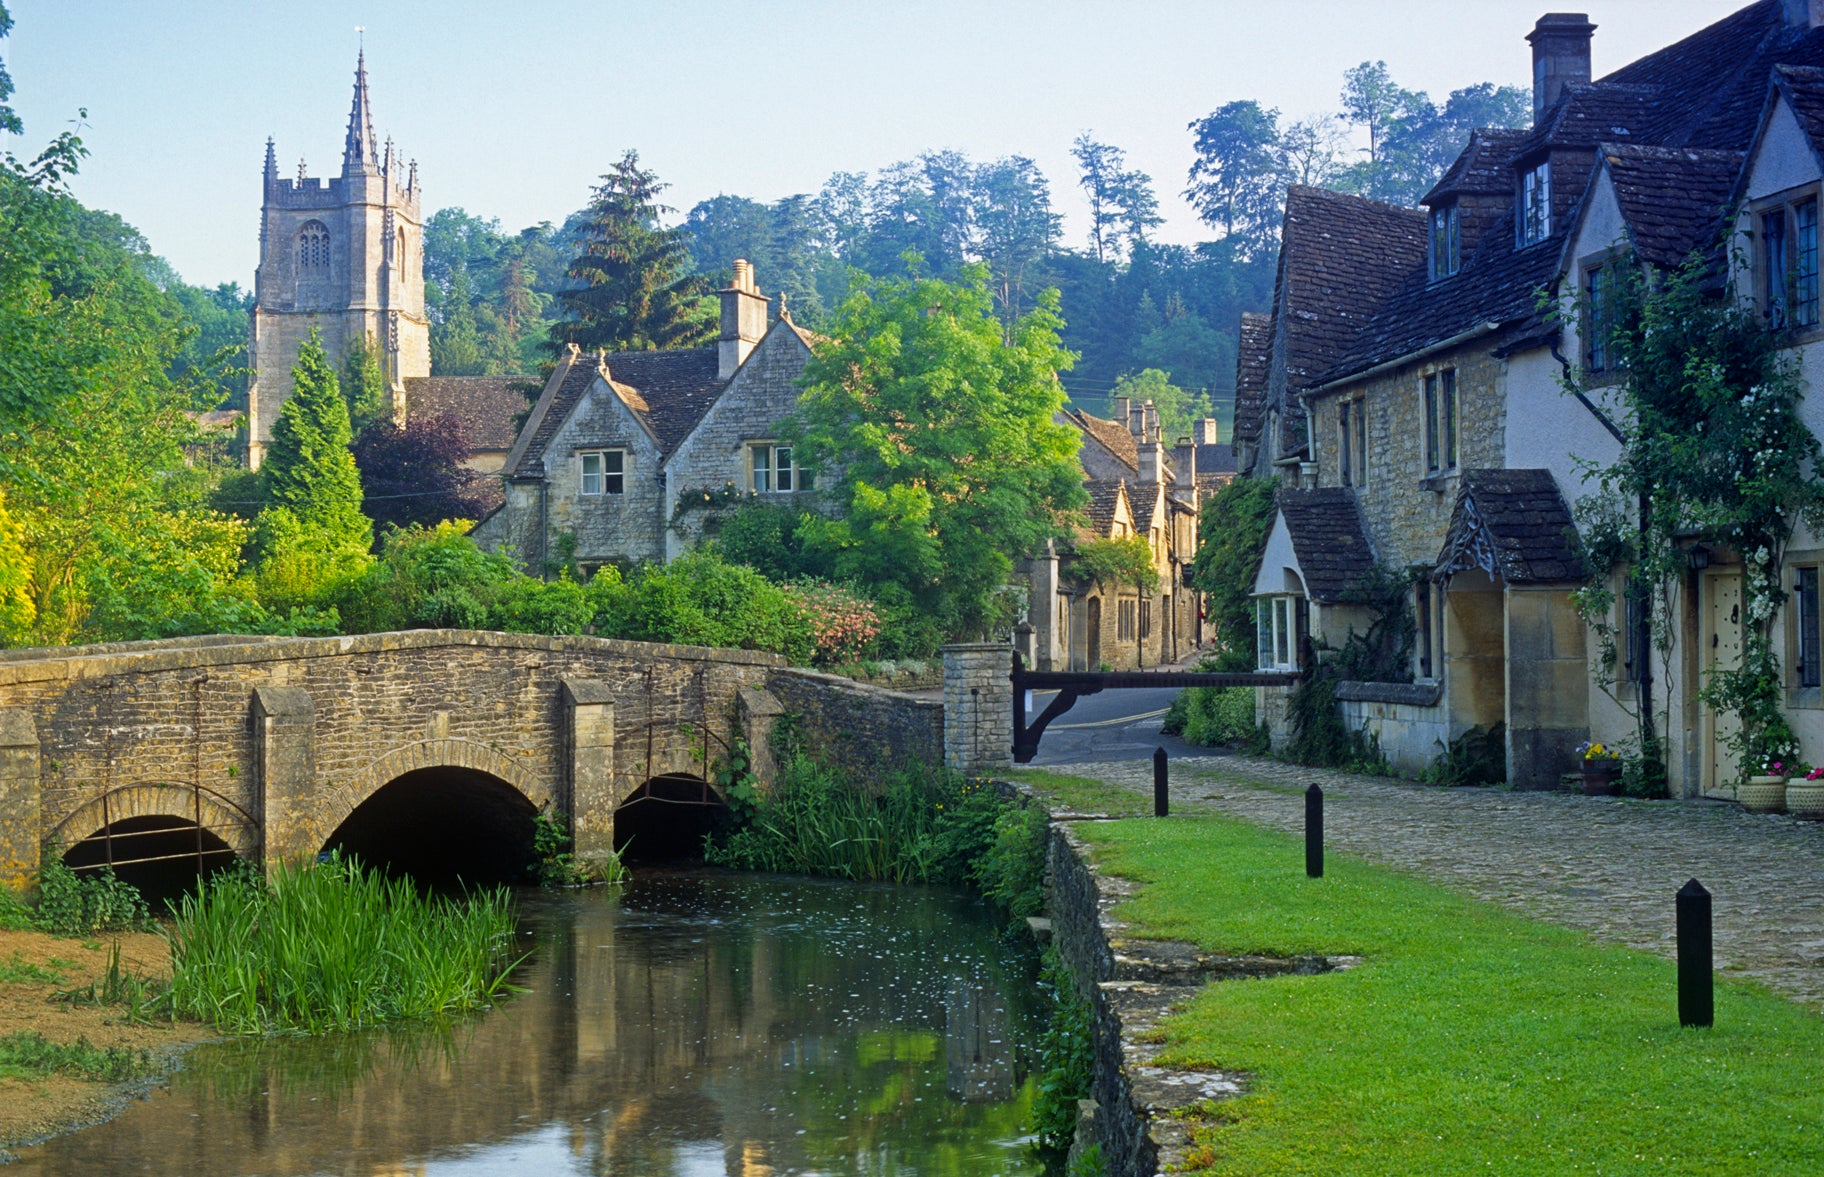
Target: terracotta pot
[
  {"x": 1762, "y": 794},
  {"x": 1805, "y": 798}
]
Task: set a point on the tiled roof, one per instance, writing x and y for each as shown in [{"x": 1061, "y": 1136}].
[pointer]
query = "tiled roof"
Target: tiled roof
[
  {"x": 669, "y": 391},
  {"x": 1803, "y": 87},
  {"x": 485, "y": 405},
  {"x": 1327, "y": 537},
  {"x": 1485, "y": 167},
  {"x": 1340, "y": 257},
  {"x": 1215, "y": 459},
  {"x": 1253, "y": 354},
  {"x": 574, "y": 373},
  {"x": 1705, "y": 92},
  {"x": 1104, "y": 500},
  {"x": 1114, "y": 437},
  {"x": 1144, "y": 499},
  {"x": 1673, "y": 198},
  {"x": 1511, "y": 524}
]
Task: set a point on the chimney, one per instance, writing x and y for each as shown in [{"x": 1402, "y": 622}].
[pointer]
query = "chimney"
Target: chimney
[
  {"x": 1802, "y": 14},
  {"x": 1208, "y": 432},
  {"x": 743, "y": 320},
  {"x": 1561, "y": 56},
  {"x": 1136, "y": 421},
  {"x": 1152, "y": 463},
  {"x": 1184, "y": 465},
  {"x": 1124, "y": 407},
  {"x": 1151, "y": 423}
]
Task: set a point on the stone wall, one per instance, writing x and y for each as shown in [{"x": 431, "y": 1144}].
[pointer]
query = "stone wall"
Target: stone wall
[
  {"x": 864, "y": 728},
  {"x": 1404, "y": 717},
  {"x": 625, "y": 527},
  {"x": 978, "y": 707}
]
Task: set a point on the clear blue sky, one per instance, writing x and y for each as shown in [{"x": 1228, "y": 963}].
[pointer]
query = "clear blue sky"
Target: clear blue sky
[{"x": 512, "y": 110}]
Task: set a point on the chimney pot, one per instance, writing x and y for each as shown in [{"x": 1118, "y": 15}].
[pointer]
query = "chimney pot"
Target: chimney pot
[
  {"x": 744, "y": 320},
  {"x": 1561, "y": 56}
]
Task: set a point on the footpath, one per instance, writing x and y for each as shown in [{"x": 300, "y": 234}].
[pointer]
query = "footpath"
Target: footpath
[{"x": 1604, "y": 864}]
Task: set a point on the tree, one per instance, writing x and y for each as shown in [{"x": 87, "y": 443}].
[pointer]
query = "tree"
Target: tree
[
  {"x": 1411, "y": 139},
  {"x": 310, "y": 473},
  {"x": 1236, "y": 183},
  {"x": 1122, "y": 207},
  {"x": 1179, "y": 410},
  {"x": 1016, "y": 229},
  {"x": 417, "y": 475},
  {"x": 364, "y": 386},
  {"x": 940, "y": 423},
  {"x": 631, "y": 290},
  {"x": 455, "y": 343},
  {"x": 1231, "y": 531},
  {"x": 1370, "y": 100}
]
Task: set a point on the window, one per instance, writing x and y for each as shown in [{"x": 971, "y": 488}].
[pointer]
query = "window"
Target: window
[
  {"x": 1787, "y": 260},
  {"x": 1440, "y": 411},
  {"x": 1533, "y": 218},
  {"x": 604, "y": 472},
  {"x": 1599, "y": 318},
  {"x": 313, "y": 246},
  {"x": 774, "y": 472},
  {"x": 1806, "y": 660},
  {"x": 1281, "y": 624},
  {"x": 1124, "y": 621},
  {"x": 1146, "y": 619},
  {"x": 1446, "y": 242},
  {"x": 1352, "y": 443},
  {"x": 1422, "y": 596}
]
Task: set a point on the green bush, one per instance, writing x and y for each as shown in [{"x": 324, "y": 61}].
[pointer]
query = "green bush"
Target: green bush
[
  {"x": 1011, "y": 870},
  {"x": 335, "y": 947},
  {"x": 702, "y": 600},
  {"x": 1218, "y": 717},
  {"x": 79, "y": 903}
]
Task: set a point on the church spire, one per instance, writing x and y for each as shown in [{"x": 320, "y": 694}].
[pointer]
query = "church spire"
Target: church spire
[
  {"x": 272, "y": 163},
  {"x": 358, "y": 154}
]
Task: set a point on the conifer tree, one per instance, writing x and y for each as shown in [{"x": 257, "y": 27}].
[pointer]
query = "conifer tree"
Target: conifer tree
[
  {"x": 310, "y": 473},
  {"x": 633, "y": 291},
  {"x": 364, "y": 386}
]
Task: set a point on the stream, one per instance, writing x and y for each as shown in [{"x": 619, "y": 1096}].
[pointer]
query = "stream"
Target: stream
[{"x": 699, "y": 1024}]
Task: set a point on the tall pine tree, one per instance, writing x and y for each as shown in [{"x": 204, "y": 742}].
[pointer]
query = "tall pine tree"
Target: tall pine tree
[
  {"x": 310, "y": 473},
  {"x": 364, "y": 387},
  {"x": 633, "y": 291}
]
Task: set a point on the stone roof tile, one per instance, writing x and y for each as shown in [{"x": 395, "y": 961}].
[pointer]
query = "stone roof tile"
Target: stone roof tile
[
  {"x": 1112, "y": 436},
  {"x": 486, "y": 406},
  {"x": 1328, "y": 539},
  {"x": 1253, "y": 357},
  {"x": 1673, "y": 198},
  {"x": 669, "y": 391},
  {"x": 1511, "y": 524}
]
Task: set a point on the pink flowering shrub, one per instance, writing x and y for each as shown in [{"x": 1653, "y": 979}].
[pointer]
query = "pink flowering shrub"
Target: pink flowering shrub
[{"x": 843, "y": 624}]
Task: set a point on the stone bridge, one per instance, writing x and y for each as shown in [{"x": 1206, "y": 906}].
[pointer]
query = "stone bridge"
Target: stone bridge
[{"x": 274, "y": 749}]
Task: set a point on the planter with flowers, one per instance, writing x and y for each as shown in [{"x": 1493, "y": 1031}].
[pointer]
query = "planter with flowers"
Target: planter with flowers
[
  {"x": 1805, "y": 796},
  {"x": 1765, "y": 792},
  {"x": 1600, "y": 767}
]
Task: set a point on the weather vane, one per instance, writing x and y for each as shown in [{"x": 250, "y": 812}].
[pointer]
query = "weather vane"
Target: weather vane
[{"x": 361, "y": 34}]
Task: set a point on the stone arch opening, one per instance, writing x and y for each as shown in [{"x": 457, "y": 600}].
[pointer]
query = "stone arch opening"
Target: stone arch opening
[
  {"x": 666, "y": 818},
  {"x": 445, "y": 826},
  {"x": 164, "y": 857}
]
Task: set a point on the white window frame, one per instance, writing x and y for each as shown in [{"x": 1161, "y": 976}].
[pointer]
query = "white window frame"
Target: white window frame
[
  {"x": 1786, "y": 258},
  {"x": 1440, "y": 422},
  {"x": 1276, "y": 636},
  {"x": 609, "y": 475},
  {"x": 765, "y": 474}
]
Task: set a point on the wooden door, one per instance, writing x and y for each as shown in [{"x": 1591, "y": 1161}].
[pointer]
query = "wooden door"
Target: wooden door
[
  {"x": 1092, "y": 644},
  {"x": 1721, "y": 650}
]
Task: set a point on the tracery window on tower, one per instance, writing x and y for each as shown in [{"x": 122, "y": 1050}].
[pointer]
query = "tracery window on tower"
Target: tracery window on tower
[{"x": 313, "y": 246}]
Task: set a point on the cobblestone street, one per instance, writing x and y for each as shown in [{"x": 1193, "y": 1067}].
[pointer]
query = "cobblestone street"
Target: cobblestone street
[{"x": 1607, "y": 865}]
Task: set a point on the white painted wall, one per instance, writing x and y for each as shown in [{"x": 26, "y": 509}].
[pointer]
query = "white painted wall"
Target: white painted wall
[{"x": 1279, "y": 572}]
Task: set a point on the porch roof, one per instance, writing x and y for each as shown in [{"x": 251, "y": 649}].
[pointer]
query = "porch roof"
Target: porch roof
[
  {"x": 1329, "y": 549},
  {"x": 1511, "y": 524}
]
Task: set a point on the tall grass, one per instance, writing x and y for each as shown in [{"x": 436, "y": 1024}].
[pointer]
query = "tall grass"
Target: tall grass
[
  {"x": 334, "y": 947},
  {"x": 924, "y": 825}
]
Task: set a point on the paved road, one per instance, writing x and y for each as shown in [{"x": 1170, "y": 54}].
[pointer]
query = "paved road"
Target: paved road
[
  {"x": 1603, "y": 864},
  {"x": 1108, "y": 726}
]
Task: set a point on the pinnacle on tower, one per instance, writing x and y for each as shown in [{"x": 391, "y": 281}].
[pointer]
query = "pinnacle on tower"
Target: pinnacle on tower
[
  {"x": 358, "y": 153},
  {"x": 272, "y": 162}
]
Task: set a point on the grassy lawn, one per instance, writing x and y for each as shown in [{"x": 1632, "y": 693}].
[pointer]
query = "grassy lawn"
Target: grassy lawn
[
  {"x": 1471, "y": 1041},
  {"x": 1084, "y": 795}
]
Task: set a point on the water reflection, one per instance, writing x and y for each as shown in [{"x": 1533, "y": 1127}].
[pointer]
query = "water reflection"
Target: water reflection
[{"x": 692, "y": 1026}]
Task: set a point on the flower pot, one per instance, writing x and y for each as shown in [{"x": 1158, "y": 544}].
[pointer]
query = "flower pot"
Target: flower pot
[
  {"x": 1762, "y": 794},
  {"x": 1806, "y": 799},
  {"x": 1599, "y": 777}
]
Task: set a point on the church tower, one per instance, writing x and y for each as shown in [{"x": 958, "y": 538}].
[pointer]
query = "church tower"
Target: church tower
[{"x": 344, "y": 256}]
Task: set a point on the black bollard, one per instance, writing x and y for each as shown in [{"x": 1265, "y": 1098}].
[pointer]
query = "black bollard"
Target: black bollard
[
  {"x": 1162, "y": 802},
  {"x": 1314, "y": 832},
  {"x": 1696, "y": 979}
]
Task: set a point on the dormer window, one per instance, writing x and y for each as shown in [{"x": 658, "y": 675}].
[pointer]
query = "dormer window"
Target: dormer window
[
  {"x": 1533, "y": 216},
  {"x": 1446, "y": 242}
]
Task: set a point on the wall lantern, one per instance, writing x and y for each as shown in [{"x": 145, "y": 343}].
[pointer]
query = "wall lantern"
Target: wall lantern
[{"x": 1698, "y": 558}]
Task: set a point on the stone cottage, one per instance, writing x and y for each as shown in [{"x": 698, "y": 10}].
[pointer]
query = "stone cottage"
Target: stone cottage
[
  {"x": 1414, "y": 352},
  {"x": 616, "y": 441},
  {"x": 1138, "y": 486}
]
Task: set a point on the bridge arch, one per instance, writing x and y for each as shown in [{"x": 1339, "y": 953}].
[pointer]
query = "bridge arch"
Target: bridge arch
[
  {"x": 666, "y": 817},
  {"x": 446, "y": 811},
  {"x": 159, "y": 836},
  {"x": 236, "y": 828}
]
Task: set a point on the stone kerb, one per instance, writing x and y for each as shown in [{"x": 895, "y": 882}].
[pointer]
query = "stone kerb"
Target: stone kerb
[{"x": 978, "y": 707}]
